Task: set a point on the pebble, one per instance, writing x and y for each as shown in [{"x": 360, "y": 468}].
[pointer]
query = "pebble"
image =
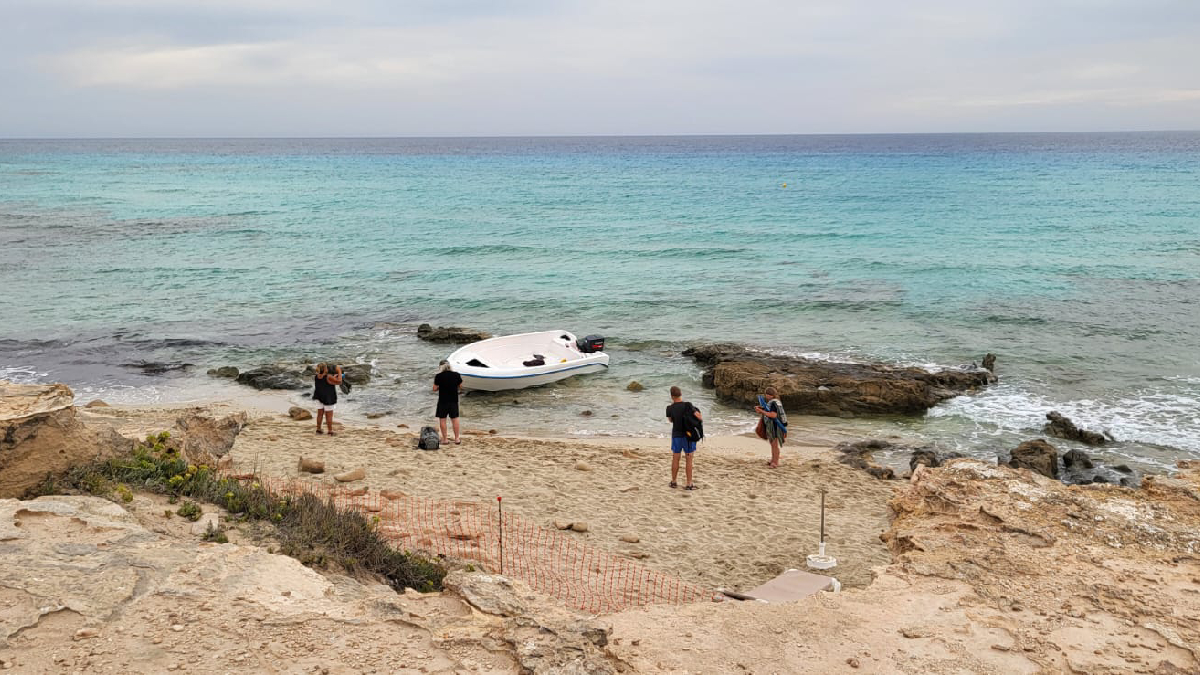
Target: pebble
[
  {"x": 629, "y": 538},
  {"x": 84, "y": 633},
  {"x": 579, "y": 527},
  {"x": 178, "y": 628},
  {"x": 852, "y": 662},
  {"x": 582, "y": 466}
]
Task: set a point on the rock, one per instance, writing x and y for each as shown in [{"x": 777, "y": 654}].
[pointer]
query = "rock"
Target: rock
[
  {"x": 41, "y": 434},
  {"x": 202, "y": 439},
  {"x": 224, "y": 371},
  {"x": 579, "y": 526},
  {"x": 1075, "y": 460},
  {"x": 1037, "y": 456},
  {"x": 635, "y": 386},
  {"x": 989, "y": 362},
  {"x": 586, "y": 413},
  {"x": 858, "y": 455},
  {"x": 207, "y": 520},
  {"x": 1062, "y": 427},
  {"x": 377, "y": 415},
  {"x": 274, "y": 377},
  {"x": 924, "y": 456},
  {"x": 852, "y": 662},
  {"x": 158, "y": 367},
  {"x": 310, "y": 466},
  {"x": 629, "y": 538},
  {"x": 86, "y": 633},
  {"x": 299, "y": 414},
  {"x": 811, "y": 387},
  {"x": 356, "y": 373},
  {"x": 352, "y": 475},
  {"x": 450, "y": 334},
  {"x": 96, "y": 404},
  {"x": 582, "y": 466},
  {"x": 401, "y": 426},
  {"x": 562, "y": 525}
]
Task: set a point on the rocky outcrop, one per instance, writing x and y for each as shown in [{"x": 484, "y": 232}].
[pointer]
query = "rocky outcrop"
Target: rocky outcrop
[
  {"x": 352, "y": 373},
  {"x": 1060, "y": 426},
  {"x": 40, "y": 434},
  {"x": 812, "y": 387},
  {"x": 224, "y": 371},
  {"x": 1081, "y": 579},
  {"x": 87, "y": 587},
  {"x": 989, "y": 362},
  {"x": 275, "y": 377},
  {"x": 1037, "y": 456},
  {"x": 454, "y": 334},
  {"x": 299, "y": 414},
  {"x": 202, "y": 439}
]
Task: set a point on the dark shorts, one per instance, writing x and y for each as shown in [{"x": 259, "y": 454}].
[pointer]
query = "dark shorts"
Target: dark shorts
[
  {"x": 447, "y": 409},
  {"x": 684, "y": 445}
]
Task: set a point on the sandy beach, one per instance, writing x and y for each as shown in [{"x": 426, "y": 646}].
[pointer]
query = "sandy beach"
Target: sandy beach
[{"x": 745, "y": 524}]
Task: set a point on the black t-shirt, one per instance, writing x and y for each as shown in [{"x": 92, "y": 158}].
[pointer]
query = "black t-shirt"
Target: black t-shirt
[
  {"x": 447, "y": 383},
  {"x": 678, "y": 412},
  {"x": 323, "y": 391}
]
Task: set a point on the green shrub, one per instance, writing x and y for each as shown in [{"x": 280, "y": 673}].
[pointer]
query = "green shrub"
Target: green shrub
[
  {"x": 215, "y": 534},
  {"x": 190, "y": 510}
]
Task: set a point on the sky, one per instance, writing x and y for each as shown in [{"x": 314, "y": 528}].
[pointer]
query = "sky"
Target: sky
[{"x": 155, "y": 68}]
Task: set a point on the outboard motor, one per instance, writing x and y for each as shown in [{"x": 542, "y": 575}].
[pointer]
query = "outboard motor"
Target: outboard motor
[{"x": 590, "y": 344}]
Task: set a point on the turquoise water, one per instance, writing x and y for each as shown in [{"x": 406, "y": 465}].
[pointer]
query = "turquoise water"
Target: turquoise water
[{"x": 1074, "y": 257}]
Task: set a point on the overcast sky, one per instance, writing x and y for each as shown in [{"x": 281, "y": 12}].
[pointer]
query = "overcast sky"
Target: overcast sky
[{"x": 489, "y": 67}]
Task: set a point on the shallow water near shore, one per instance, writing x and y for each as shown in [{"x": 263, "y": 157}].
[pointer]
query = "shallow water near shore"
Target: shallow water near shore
[{"x": 1074, "y": 257}]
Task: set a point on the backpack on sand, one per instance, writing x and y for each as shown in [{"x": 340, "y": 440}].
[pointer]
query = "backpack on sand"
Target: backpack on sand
[{"x": 428, "y": 439}]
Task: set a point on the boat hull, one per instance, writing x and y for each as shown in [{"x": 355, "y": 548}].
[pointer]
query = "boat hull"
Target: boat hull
[
  {"x": 525, "y": 380},
  {"x": 499, "y": 363}
]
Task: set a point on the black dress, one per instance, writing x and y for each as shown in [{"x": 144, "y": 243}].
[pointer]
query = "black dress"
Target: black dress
[
  {"x": 447, "y": 383},
  {"x": 323, "y": 391}
]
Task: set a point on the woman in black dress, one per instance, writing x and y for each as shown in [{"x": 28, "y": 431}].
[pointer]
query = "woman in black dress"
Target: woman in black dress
[
  {"x": 325, "y": 386},
  {"x": 447, "y": 384}
]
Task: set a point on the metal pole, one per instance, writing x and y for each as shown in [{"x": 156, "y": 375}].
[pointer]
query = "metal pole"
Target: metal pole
[
  {"x": 822, "y": 515},
  {"x": 500, "y": 509}
]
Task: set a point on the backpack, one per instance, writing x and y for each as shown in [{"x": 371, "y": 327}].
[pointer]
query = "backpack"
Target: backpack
[
  {"x": 428, "y": 439},
  {"x": 693, "y": 427}
]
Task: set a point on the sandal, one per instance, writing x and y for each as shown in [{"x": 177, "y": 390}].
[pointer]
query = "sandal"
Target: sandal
[
  {"x": 691, "y": 487},
  {"x": 673, "y": 484},
  {"x": 457, "y": 442},
  {"x": 332, "y": 434},
  {"x": 319, "y": 431}
]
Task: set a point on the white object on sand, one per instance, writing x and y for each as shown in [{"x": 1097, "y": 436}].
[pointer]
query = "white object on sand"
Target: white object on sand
[
  {"x": 498, "y": 364},
  {"x": 820, "y": 561}
]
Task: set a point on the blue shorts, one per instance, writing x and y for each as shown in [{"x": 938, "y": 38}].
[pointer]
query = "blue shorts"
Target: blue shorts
[{"x": 685, "y": 445}]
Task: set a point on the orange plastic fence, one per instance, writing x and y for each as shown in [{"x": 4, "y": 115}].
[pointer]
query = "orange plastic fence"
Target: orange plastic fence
[{"x": 549, "y": 561}]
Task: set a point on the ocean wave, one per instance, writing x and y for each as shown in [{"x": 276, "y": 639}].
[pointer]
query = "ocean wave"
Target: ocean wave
[{"x": 1154, "y": 416}]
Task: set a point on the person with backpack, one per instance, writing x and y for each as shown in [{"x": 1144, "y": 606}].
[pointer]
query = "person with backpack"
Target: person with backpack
[
  {"x": 687, "y": 428},
  {"x": 447, "y": 384},
  {"x": 325, "y": 388},
  {"x": 772, "y": 423}
]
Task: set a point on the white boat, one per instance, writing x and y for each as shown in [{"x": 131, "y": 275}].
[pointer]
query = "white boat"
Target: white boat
[{"x": 527, "y": 360}]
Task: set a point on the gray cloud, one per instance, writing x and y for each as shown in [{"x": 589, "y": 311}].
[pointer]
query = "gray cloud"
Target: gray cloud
[{"x": 303, "y": 67}]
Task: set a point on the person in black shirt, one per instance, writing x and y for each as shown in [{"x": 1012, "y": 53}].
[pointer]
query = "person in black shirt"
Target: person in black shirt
[
  {"x": 447, "y": 384},
  {"x": 677, "y": 412},
  {"x": 325, "y": 386}
]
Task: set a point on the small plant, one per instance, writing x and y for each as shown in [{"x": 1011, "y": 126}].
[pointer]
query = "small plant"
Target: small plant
[
  {"x": 190, "y": 510},
  {"x": 167, "y": 513},
  {"x": 215, "y": 535},
  {"x": 125, "y": 493}
]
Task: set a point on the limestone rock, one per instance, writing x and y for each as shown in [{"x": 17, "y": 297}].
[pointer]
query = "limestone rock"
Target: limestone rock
[
  {"x": 299, "y": 414},
  {"x": 811, "y": 387},
  {"x": 40, "y": 434},
  {"x": 203, "y": 439},
  {"x": 450, "y": 334},
  {"x": 224, "y": 371},
  {"x": 635, "y": 386},
  {"x": 579, "y": 526},
  {"x": 989, "y": 362},
  {"x": 1037, "y": 456},
  {"x": 310, "y": 466},
  {"x": 858, "y": 455},
  {"x": 352, "y": 475},
  {"x": 629, "y": 538},
  {"x": 1060, "y": 426},
  {"x": 274, "y": 377},
  {"x": 207, "y": 520},
  {"x": 582, "y": 466},
  {"x": 96, "y": 404}
]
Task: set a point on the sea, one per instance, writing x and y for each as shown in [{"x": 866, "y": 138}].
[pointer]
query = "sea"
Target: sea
[{"x": 1075, "y": 258}]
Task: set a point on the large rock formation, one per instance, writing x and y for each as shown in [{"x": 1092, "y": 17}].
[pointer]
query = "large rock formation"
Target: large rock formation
[
  {"x": 86, "y": 587},
  {"x": 858, "y": 455},
  {"x": 40, "y": 435},
  {"x": 812, "y": 387},
  {"x": 455, "y": 334},
  {"x": 275, "y": 377}
]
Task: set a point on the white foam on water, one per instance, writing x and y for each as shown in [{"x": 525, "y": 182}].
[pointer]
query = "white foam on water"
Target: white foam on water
[
  {"x": 1152, "y": 416},
  {"x": 21, "y": 374}
]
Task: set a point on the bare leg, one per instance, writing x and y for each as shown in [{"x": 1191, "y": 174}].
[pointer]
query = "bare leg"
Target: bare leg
[
  {"x": 774, "y": 454},
  {"x": 320, "y": 416},
  {"x": 456, "y": 434},
  {"x": 442, "y": 424},
  {"x": 688, "y": 469},
  {"x": 674, "y": 466},
  {"x": 329, "y": 421}
]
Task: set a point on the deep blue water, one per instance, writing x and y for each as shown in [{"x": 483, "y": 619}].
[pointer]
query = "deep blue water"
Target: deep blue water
[{"x": 1074, "y": 257}]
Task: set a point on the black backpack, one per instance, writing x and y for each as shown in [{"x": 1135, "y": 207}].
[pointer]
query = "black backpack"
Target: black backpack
[
  {"x": 694, "y": 428},
  {"x": 429, "y": 439}
]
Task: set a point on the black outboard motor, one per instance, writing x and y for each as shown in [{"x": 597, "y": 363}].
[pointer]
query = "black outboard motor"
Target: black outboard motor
[{"x": 590, "y": 344}]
